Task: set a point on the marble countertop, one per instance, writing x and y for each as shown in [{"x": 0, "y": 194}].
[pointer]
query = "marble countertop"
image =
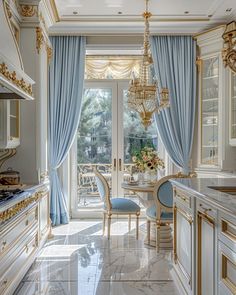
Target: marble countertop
[
  {"x": 200, "y": 188},
  {"x": 28, "y": 190}
]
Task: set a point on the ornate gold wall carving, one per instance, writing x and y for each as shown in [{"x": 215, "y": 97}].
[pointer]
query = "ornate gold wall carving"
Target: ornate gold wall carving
[
  {"x": 39, "y": 39},
  {"x": 49, "y": 52},
  {"x": 29, "y": 10},
  {"x": 11, "y": 76}
]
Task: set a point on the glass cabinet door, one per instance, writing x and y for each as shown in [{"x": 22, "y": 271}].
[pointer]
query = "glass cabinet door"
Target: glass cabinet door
[
  {"x": 14, "y": 119},
  {"x": 209, "y": 110},
  {"x": 233, "y": 110}
]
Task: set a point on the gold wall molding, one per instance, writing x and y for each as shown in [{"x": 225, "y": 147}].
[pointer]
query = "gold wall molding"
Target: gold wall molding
[
  {"x": 39, "y": 39},
  {"x": 8, "y": 9},
  {"x": 42, "y": 20},
  {"x": 28, "y": 10},
  {"x": 12, "y": 77},
  {"x": 49, "y": 52}
]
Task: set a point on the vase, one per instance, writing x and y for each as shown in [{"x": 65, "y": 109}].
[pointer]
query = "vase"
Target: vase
[
  {"x": 141, "y": 178},
  {"x": 150, "y": 176}
]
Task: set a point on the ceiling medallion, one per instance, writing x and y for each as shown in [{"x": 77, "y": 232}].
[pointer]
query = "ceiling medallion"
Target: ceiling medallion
[
  {"x": 143, "y": 91},
  {"x": 229, "y": 50}
]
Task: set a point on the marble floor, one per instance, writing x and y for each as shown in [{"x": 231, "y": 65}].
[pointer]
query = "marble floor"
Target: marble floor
[{"x": 80, "y": 261}]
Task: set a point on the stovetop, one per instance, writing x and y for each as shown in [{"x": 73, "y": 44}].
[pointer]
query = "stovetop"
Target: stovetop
[{"x": 8, "y": 194}]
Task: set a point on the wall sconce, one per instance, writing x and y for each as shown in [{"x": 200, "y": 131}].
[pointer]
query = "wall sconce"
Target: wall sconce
[{"x": 229, "y": 50}]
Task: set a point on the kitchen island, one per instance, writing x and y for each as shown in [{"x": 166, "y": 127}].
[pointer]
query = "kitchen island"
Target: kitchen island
[
  {"x": 205, "y": 235},
  {"x": 24, "y": 228}
]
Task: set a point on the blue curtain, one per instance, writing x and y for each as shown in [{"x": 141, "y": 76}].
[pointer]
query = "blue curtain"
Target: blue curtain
[
  {"x": 66, "y": 77},
  {"x": 174, "y": 64}
]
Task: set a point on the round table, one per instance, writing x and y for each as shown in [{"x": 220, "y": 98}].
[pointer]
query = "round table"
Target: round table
[{"x": 145, "y": 195}]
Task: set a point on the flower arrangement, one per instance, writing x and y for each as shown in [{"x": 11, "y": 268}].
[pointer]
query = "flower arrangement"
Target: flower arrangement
[{"x": 147, "y": 160}]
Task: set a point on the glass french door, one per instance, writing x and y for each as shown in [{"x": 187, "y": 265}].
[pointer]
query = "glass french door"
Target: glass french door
[{"x": 107, "y": 134}]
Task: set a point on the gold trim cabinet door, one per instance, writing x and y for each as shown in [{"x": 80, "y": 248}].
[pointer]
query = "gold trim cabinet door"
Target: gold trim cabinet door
[
  {"x": 183, "y": 247},
  {"x": 205, "y": 254}
]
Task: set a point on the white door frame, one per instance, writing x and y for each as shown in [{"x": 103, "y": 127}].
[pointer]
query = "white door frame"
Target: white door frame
[{"x": 117, "y": 156}]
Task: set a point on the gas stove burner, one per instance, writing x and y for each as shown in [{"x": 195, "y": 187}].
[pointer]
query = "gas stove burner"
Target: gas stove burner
[{"x": 8, "y": 194}]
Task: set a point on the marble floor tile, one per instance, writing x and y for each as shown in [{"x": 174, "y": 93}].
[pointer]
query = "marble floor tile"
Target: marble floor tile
[
  {"x": 135, "y": 264},
  {"x": 80, "y": 261},
  {"x": 100, "y": 288},
  {"x": 136, "y": 288},
  {"x": 55, "y": 288}
]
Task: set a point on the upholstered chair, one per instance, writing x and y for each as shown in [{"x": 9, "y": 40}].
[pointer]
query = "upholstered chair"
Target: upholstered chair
[
  {"x": 161, "y": 212},
  {"x": 115, "y": 206}
]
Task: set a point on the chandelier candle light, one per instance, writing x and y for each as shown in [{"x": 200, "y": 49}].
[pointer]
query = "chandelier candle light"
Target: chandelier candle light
[{"x": 143, "y": 91}]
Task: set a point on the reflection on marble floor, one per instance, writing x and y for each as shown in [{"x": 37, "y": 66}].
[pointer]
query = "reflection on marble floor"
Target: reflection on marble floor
[{"x": 80, "y": 261}]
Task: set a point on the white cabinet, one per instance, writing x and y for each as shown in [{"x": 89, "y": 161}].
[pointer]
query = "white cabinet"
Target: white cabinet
[
  {"x": 214, "y": 150},
  {"x": 227, "y": 254},
  {"x": 232, "y": 109},
  {"x": 206, "y": 250},
  {"x": 183, "y": 241},
  {"x": 9, "y": 123},
  {"x": 24, "y": 228},
  {"x": 209, "y": 110}
]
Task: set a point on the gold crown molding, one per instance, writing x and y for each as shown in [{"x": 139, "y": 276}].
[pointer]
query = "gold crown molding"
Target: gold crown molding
[
  {"x": 28, "y": 10},
  {"x": 11, "y": 76},
  {"x": 39, "y": 39}
]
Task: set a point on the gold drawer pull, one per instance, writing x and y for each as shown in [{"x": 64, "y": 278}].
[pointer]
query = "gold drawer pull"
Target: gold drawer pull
[
  {"x": 26, "y": 222},
  {"x": 182, "y": 198},
  {"x": 26, "y": 249},
  {"x": 205, "y": 209},
  {"x": 5, "y": 282},
  {"x": 4, "y": 243}
]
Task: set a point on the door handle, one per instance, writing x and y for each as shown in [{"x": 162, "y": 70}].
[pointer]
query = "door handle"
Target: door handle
[
  {"x": 119, "y": 164},
  {"x": 114, "y": 165}
]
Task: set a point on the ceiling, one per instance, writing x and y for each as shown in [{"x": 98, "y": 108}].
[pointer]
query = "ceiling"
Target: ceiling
[{"x": 93, "y": 17}]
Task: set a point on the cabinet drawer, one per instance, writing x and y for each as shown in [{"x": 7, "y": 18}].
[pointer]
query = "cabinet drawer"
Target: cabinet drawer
[
  {"x": 227, "y": 230},
  {"x": 227, "y": 270},
  {"x": 14, "y": 230},
  {"x": 183, "y": 198},
  {"x": 206, "y": 210},
  {"x": 20, "y": 258}
]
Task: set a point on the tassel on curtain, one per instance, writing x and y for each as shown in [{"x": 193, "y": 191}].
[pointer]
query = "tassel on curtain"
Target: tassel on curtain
[
  {"x": 174, "y": 64},
  {"x": 66, "y": 77}
]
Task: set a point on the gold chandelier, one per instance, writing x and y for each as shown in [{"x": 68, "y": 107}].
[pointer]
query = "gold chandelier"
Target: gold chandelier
[{"x": 143, "y": 91}]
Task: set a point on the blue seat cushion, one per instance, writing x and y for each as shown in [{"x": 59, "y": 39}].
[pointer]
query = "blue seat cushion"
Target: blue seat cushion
[
  {"x": 151, "y": 213},
  {"x": 124, "y": 205}
]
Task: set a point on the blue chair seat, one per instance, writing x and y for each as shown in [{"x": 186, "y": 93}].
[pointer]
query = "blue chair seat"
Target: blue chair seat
[
  {"x": 151, "y": 213},
  {"x": 123, "y": 205}
]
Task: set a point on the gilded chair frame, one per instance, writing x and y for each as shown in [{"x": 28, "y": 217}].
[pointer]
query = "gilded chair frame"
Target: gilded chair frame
[
  {"x": 162, "y": 208},
  {"x": 107, "y": 212}
]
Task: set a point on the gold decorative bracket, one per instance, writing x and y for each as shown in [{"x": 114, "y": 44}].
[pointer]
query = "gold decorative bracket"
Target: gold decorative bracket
[{"x": 229, "y": 50}]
